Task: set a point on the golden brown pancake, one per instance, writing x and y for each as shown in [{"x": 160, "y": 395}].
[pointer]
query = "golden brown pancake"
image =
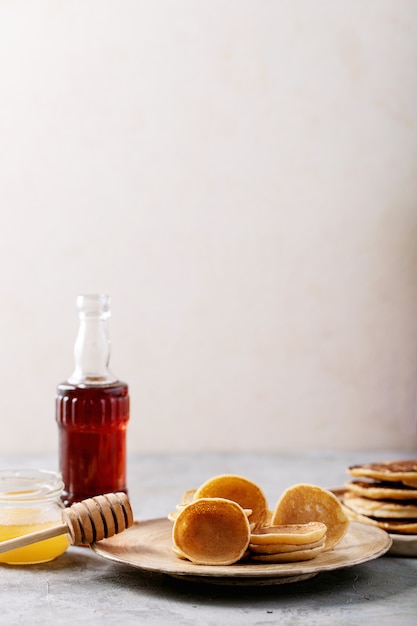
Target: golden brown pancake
[
  {"x": 304, "y": 503},
  {"x": 408, "y": 527},
  {"x": 276, "y": 548},
  {"x": 239, "y": 489},
  {"x": 289, "y": 534},
  {"x": 398, "y": 527},
  {"x": 288, "y": 557},
  {"x": 211, "y": 531},
  {"x": 402, "y": 471},
  {"x": 381, "y": 509},
  {"x": 379, "y": 490},
  {"x": 187, "y": 496}
]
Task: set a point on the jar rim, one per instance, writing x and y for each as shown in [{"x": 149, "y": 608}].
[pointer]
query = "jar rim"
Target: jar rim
[{"x": 24, "y": 485}]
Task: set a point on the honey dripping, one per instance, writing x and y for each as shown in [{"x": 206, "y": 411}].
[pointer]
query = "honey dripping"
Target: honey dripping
[{"x": 92, "y": 411}]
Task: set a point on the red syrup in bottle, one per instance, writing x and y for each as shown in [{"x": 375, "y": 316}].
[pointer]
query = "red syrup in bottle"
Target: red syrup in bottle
[{"x": 92, "y": 412}]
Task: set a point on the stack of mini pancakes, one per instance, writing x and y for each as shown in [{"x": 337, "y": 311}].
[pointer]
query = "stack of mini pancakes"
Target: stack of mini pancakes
[
  {"x": 227, "y": 519},
  {"x": 383, "y": 494}
]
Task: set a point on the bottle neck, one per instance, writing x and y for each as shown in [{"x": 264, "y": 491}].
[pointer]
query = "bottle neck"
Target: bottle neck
[{"x": 92, "y": 347}]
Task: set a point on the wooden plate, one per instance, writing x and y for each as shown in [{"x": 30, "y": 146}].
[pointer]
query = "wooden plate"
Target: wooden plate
[{"x": 147, "y": 545}]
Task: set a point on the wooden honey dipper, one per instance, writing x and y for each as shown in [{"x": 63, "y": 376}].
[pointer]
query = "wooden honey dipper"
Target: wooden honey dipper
[{"x": 86, "y": 522}]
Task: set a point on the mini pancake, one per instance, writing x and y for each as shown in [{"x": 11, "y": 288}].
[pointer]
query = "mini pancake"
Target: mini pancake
[
  {"x": 295, "y": 534},
  {"x": 380, "y": 508},
  {"x": 403, "y": 471},
  {"x": 288, "y": 557},
  {"x": 379, "y": 490},
  {"x": 398, "y": 527},
  {"x": 305, "y": 503},
  {"x": 211, "y": 531},
  {"x": 389, "y": 525},
  {"x": 354, "y": 516},
  {"x": 238, "y": 489},
  {"x": 275, "y": 548},
  {"x": 172, "y": 516},
  {"x": 187, "y": 496}
]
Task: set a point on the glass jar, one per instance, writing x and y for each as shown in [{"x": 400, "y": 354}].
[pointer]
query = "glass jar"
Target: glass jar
[{"x": 30, "y": 500}]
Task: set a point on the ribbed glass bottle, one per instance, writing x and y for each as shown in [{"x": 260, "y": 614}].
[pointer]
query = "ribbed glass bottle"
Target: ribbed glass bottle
[{"x": 92, "y": 411}]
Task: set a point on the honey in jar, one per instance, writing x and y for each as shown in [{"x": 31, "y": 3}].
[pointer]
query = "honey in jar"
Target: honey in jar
[{"x": 30, "y": 500}]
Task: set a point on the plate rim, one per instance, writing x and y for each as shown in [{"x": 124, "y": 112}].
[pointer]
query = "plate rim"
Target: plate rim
[{"x": 270, "y": 571}]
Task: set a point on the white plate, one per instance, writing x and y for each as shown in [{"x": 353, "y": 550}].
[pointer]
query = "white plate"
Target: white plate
[
  {"x": 147, "y": 545},
  {"x": 403, "y": 545}
]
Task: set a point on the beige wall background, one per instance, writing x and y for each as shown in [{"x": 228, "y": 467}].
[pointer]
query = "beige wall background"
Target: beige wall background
[{"x": 241, "y": 177}]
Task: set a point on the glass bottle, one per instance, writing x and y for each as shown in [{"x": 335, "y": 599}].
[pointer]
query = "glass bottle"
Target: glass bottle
[
  {"x": 30, "y": 500},
  {"x": 92, "y": 411}
]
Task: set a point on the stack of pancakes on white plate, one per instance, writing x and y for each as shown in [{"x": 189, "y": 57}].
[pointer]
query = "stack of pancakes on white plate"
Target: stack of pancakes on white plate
[{"x": 383, "y": 494}]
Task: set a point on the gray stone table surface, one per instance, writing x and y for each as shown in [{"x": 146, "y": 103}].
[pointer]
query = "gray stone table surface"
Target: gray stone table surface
[{"x": 81, "y": 587}]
